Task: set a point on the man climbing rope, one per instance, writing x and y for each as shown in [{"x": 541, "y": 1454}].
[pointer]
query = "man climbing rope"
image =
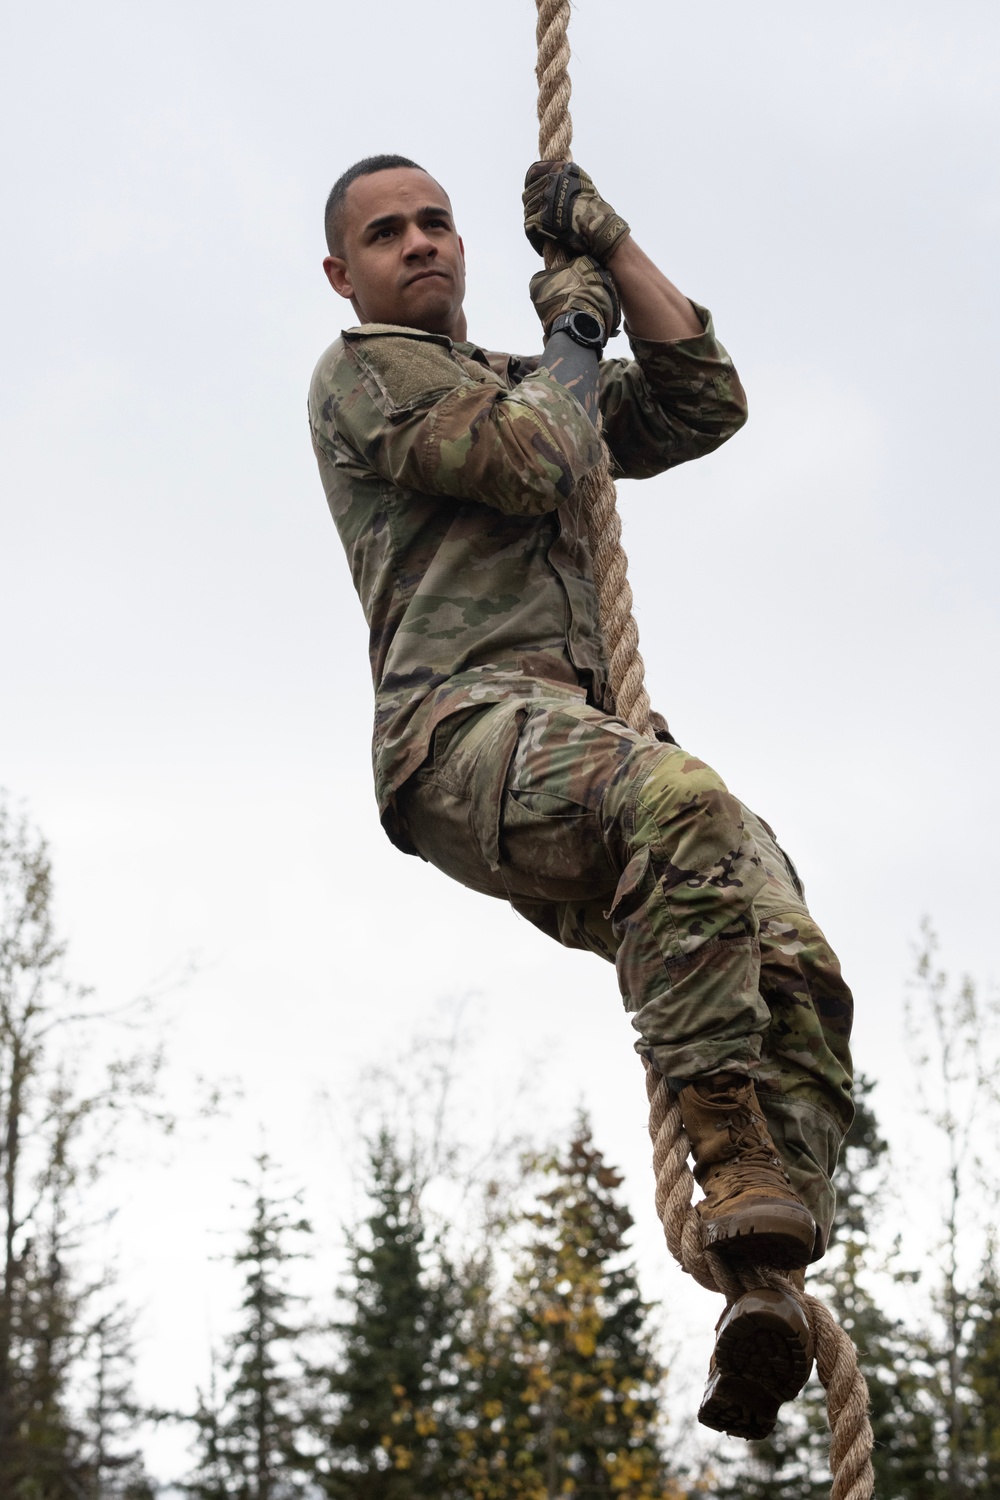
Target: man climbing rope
[{"x": 453, "y": 476}]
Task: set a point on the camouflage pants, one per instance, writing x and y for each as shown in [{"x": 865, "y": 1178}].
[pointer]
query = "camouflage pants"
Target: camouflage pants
[{"x": 635, "y": 850}]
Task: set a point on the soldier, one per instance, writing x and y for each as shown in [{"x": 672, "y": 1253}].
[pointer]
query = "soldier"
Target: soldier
[{"x": 453, "y": 475}]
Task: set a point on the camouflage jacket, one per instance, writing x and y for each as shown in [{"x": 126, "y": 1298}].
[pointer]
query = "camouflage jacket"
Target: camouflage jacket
[{"x": 451, "y": 474}]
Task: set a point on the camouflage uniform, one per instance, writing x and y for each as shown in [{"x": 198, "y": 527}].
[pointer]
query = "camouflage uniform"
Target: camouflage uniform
[{"x": 452, "y": 476}]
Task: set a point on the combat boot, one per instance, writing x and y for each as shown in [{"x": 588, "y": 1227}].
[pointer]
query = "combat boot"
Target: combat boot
[
  {"x": 763, "y": 1355},
  {"x": 750, "y": 1211}
]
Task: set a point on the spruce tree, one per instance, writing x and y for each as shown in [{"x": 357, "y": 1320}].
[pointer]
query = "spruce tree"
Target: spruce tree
[
  {"x": 581, "y": 1411},
  {"x": 388, "y": 1428},
  {"x": 115, "y": 1466},
  {"x": 251, "y": 1442},
  {"x": 491, "y": 1422}
]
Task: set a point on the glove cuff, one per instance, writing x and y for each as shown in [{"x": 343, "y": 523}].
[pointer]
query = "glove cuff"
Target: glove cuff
[{"x": 608, "y": 238}]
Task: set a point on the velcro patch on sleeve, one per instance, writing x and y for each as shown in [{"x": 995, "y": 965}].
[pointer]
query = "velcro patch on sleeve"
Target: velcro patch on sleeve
[{"x": 405, "y": 372}]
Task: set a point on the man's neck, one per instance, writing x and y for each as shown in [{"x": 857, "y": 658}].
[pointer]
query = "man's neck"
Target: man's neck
[{"x": 458, "y": 332}]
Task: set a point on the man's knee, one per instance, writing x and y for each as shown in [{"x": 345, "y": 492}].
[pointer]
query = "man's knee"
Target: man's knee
[
  {"x": 691, "y": 864},
  {"x": 683, "y": 804}
]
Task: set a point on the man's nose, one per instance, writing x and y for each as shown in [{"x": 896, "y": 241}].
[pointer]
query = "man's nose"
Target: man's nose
[{"x": 417, "y": 242}]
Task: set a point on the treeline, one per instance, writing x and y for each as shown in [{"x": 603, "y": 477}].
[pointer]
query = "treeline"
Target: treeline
[
  {"x": 432, "y": 1383},
  {"x": 501, "y": 1351},
  {"x": 435, "y": 1384},
  {"x": 448, "y": 1383}
]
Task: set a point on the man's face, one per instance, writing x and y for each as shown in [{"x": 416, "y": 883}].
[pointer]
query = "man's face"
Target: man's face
[{"x": 402, "y": 260}]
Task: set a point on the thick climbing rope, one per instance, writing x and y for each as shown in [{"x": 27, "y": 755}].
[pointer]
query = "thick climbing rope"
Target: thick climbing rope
[
  {"x": 621, "y": 635},
  {"x": 836, "y": 1357}
]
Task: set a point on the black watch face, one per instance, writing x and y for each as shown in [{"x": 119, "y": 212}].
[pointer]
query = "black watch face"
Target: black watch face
[{"x": 587, "y": 328}]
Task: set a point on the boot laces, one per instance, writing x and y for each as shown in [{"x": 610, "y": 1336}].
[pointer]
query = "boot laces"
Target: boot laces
[{"x": 756, "y": 1162}]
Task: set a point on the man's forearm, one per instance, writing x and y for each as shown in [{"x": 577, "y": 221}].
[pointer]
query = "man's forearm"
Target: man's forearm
[
  {"x": 575, "y": 368},
  {"x": 652, "y": 305}
]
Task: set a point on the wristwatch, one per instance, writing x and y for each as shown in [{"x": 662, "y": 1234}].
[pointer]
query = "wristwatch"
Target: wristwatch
[{"x": 582, "y": 327}]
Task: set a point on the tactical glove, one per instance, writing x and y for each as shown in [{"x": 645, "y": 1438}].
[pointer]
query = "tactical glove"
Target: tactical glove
[
  {"x": 583, "y": 285},
  {"x": 562, "y": 206}
]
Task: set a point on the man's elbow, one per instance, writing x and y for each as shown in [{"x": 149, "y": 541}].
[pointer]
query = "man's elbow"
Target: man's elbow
[
  {"x": 537, "y": 492},
  {"x": 539, "y": 466},
  {"x": 733, "y": 411},
  {"x": 725, "y": 418}
]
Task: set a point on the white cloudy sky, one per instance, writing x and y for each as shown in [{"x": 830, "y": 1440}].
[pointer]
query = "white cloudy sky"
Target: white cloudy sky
[{"x": 186, "y": 698}]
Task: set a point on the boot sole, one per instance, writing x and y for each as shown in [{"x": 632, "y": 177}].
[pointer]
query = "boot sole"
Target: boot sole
[
  {"x": 782, "y": 1235},
  {"x": 761, "y": 1360},
  {"x": 739, "y": 1409}
]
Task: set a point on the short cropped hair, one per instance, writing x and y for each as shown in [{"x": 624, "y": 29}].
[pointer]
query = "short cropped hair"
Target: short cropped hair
[{"x": 334, "y": 215}]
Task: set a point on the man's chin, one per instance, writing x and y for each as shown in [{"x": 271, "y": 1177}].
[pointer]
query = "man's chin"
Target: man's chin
[{"x": 433, "y": 311}]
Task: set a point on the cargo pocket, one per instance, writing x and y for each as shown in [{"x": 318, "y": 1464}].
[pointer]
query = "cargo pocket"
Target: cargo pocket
[
  {"x": 451, "y": 805},
  {"x": 553, "y": 848},
  {"x": 630, "y": 888},
  {"x": 493, "y": 754}
]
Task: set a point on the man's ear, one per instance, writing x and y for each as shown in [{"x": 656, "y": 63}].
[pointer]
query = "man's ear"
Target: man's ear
[{"x": 338, "y": 275}]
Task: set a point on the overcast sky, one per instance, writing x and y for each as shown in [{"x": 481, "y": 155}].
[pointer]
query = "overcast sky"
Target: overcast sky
[{"x": 186, "y": 700}]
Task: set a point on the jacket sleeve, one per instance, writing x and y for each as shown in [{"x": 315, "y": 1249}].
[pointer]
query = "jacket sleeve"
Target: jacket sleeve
[
  {"x": 401, "y": 400},
  {"x": 674, "y": 402}
]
